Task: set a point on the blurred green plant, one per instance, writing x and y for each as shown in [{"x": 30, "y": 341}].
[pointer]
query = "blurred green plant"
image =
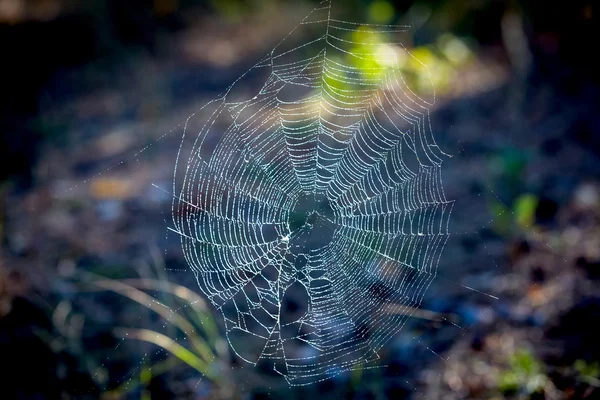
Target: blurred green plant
[
  {"x": 511, "y": 205},
  {"x": 524, "y": 210},
  {"x": 588, "y": 372},
  {"x": 188, "y": 332},
  {"x": 426, "y": 69},
  {"x": 508, "y": 167},
  {"x": 381, "y": 12},
  {"x": 525, "y": 376},
  {"x": 520, "y": 216},
  {"x": 201, "y": 346},
  {"x": 66, "y": 338}
]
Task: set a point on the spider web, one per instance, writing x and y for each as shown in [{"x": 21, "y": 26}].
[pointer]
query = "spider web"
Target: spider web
[{"x": 312, "y": 211}]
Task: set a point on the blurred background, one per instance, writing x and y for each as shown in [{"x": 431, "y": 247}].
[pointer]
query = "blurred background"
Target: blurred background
[{"x": 95, "y": 298}]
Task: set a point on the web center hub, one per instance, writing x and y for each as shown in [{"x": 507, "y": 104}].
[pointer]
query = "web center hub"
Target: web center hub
[{"x": 311, "y": 224}]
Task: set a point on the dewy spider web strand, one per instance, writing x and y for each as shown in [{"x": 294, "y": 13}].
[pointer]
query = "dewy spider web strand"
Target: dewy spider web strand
[{"x": 313, "y": 208}]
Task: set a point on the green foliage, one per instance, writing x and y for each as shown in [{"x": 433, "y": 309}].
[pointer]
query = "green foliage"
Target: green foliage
[
  {"x": 509, "y": 167},
  {"x": 524, "y": 210},
  {"x": 524, "y": 375},
  {"x": 514, "y": 162},
  {"x": 586, "y": 369},
  {"x": 511, "y": 205},
  {"x": 201, "y": 342},
  {"x": 525, "y": 362},
  {"x": 65, "y": 337},
  {"x": 588, "y": 372},
  {"x": 381, "y": 12},
  {"x": 508, "y": 220},
  {"x": 426, "y": 69},
  {"x": 189, "y": 334}
]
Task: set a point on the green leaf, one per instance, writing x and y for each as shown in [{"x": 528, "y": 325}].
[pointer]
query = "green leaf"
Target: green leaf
[
  {"x": 524, "y": 210},
  {"x": 169, "y": 345},
  {"x": 590, "y": 370}
]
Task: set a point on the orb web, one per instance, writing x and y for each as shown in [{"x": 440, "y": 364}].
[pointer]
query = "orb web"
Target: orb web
[{"x": 312, "y": 211}]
